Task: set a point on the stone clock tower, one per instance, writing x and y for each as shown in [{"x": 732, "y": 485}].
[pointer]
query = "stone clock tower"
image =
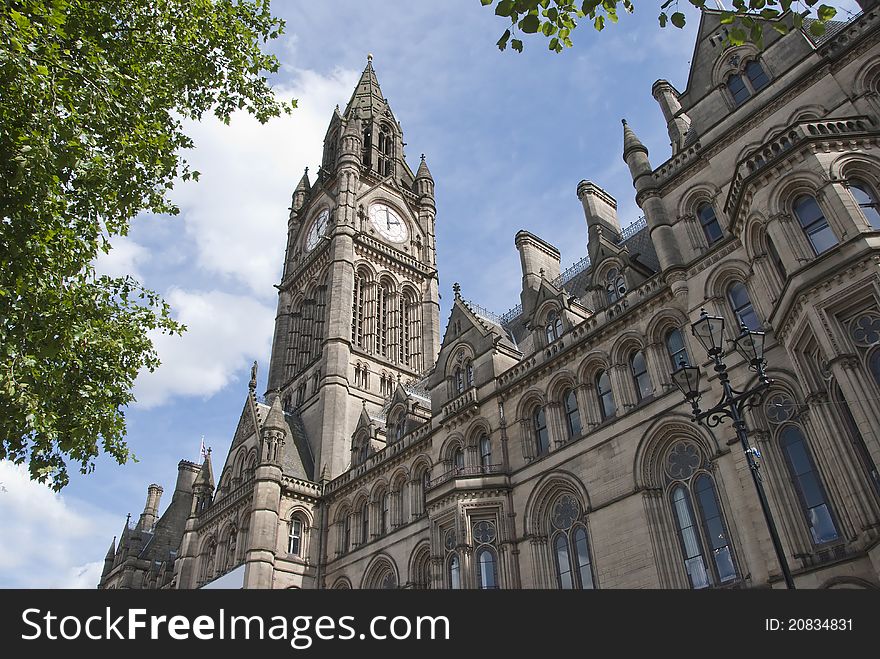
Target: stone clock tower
[{"x": 358, "y": 307}]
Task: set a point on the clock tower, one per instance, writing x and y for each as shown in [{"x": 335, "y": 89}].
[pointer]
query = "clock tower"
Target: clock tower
[{"x": 358, "y": 302}]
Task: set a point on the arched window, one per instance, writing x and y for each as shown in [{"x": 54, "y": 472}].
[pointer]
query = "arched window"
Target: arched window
[
  {"x": 867, "y": 201},
  {"x": 738, "y": 90},
  {"x": 699, "y": 521},
  {"x": 606, "y": 396},
  {"x": 711, "y": 228},
  {"x": 642, "y": 381},
  {"x": 453, "y": 572},
  {"x": 383, "y": 313},
  {"x": 485, "y": 452},
  {"x": 757, "y": 76},
  {"x": 400, "y": 427},
  {"x": 814, "y": 224},
  {"x": 539, "y": 427},
  {"x": 385, "y": 514},
  {"x": 458, "y": 459},
  {"x": 469, "y": 373},
  {"x": 808, "y": 484},
  {"x": 676, "y": 349},
  {"x": 615, "y": 285},
  {"x": 458, "y": 378},
  {"x": 365, "y": 522},
  {"x": 572, "y": 414},
  {"x": 776, "y": 259},
  {"x": 294, "y": 537},
  {"x": 367, "y": 154},
  {"x": 741, "y": 304},
  {"x": 426, "y": 479},
  {"x": 358, "y": 309},
  {"x": 346, "y": 533},
  {"x": 571, "y": 550},
  {"x": 553, "y": 327},
  {"x": 487, "y": 575}
]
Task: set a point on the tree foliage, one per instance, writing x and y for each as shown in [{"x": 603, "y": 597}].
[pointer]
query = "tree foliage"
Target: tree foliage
[
  {"x": 94, "y": 93},
  {"x": 556, "y": 19}
]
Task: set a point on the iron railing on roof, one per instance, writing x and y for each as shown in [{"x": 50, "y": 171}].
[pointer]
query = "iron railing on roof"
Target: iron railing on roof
[
  {"x": 484, "y": 313},
  {"x": 571, "y": 272},
  {"x": 510, "y": 314},
  {"x": 633, "y": 229}
]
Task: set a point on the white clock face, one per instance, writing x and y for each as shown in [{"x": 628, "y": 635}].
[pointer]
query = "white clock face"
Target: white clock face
[
  {"x": 319, "y": 226},
  {"x": 388, "y": 223}
]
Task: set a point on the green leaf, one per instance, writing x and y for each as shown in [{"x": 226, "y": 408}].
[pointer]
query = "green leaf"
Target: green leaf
[
  {"x": 502, "y": 42},
  {"x": 530, "y": 24},
  {"x": 504, "y": 8},
  {"x": 517, "y": 45},
  {"x": 826, "y": 13},
  {"x": 817, "y": 29},
  {"x": 677, "y": 19}
]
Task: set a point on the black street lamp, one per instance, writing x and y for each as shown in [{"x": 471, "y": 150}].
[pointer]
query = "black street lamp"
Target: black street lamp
[{"x": 709, "y": 331}]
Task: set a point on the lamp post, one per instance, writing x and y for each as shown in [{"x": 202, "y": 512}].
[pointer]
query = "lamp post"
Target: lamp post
[{"x": 709, "y": 331}]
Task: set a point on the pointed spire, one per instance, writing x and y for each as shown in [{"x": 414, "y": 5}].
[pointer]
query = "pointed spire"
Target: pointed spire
[
  {"x": 630, "y": 141},
  {"x": 111, "y": 553},
  {"x": 206, "y": 473},
  {"x": 275, "y": 418},
  {"x": 304, "y": 185},
  {"x": 367, "y": 94},
  {"x": 423, "y": 171}
]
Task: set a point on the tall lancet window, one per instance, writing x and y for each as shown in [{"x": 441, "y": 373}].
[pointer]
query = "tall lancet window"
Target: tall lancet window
[
  {"x": 414, "y": 332},
  {"x": 383, "y": 313},
  {"x": 386, "y": 150},
  {"x": 367, "y": 155},
  {"x": 307, "y": 332},
  {"x": 358, "y": 307},
  {"x": 295, "y": 321},
  {"x": 320, "y": 309}
]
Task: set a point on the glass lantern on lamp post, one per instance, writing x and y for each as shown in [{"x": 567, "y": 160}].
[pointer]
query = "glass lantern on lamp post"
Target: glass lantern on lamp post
[{"x": 709, "y": 331}]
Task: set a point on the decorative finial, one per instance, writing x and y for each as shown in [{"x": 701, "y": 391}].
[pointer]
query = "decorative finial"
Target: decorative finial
[
  {"x": 253, "y": 383},
  {"x": 423, "y": 157},
  {"x": 369, "y": 57},
  {"x": 541, "y": 272},
  {"x": 623, "y": 121},
  {"x": 456, "y": 288},
  {"x": 307, "y": 170}
]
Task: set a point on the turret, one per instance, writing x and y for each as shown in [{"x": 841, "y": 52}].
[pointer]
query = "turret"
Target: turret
[
  {"x": 301, "y": 193},
  {"x": 260, "y": 554},
  {"x": 203, "y": 486},
  {"x": 600, "y": 210},
  {"x": 108, "y": 559},
  {"x": 151, "y": 508},
  {"x": 677, "y": 122},
  {"x": 539, "y": 260},
  {"x": 635, "y": 154},
  {"x": 424, "y": 182}
]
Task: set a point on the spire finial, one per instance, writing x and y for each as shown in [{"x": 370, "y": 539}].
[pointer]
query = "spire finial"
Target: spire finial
[
  {"x": 369, "y": 58},
  {"x": 423, "y": 157},
  {"x": 307, "y": 170},
  {"x": 623, "y": 121},
  {"x": 252, "y": 385},
  {"x": 456, "y": 288}
]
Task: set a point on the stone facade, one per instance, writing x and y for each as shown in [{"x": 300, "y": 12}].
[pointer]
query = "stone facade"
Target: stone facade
[{"x": 548, "y": 447}]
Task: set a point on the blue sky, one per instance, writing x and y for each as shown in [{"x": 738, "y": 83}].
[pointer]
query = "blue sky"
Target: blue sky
[{"x": 507, "y": 137}]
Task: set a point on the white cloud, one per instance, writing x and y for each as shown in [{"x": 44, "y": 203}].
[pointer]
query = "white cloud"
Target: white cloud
[
  {"x": 237, "y": 212},
  {"x": 123, "y": 258},
  {"x": 224, "y": 334},
  {"x": 45, "y": 535}
]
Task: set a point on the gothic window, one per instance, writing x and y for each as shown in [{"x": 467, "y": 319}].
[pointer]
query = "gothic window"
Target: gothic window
[
  {"x": 367, "y": 155},
  {"x": 615, "y": 285},
  {"x": 808, "y": 484},
  {"x": 346, "y": 532},
  {"x": 485, "y": 452},
  {"x": 698, "y": 517},
  {"x": 383, "y": 299},
  {"x": 384, "y": 514},
  {"x": 400, "y": 427},
  {"x": 485, "y": 557},
  {"x": 458, "y": 378},
  {"x": 539, "y": 428},
  {"x": 814, "y": 224},
  {"x": 425, "y": 479},
  {"x": 386, "y": 150},
  {"x": 676, "y": 348},
  {"x": 571, "y": 551},
  {"x": 320, "y": 309},
  {"x": 365, "y": 522},
  {"x": 741, "y": 304},
  {"x": 607, "y": 408},
  {"x": 738, "y": 90},
  {"x": 453, "y": 572},
  {"x": 295, "y": 536},
  {"x": 358, "y": 309},
  {"x": 639, "y": 368},
  {"x": 403, "y": 345},
  {"x": 458, "y": 459},
  {"x": 553, "y": 327},
  {"x": 397, "y": 503},
  {"x": 307, "y": 330},
  {"x": 711, "y": 228},
  {"x": 469, "y": 373},
  {"x": 572, "y": 414},
  {"x": 411, "y": 327},
  {"x": 421, "y": 572},
  {"x": 867, "y": 201},
  {"x": 757, "y": 76}
]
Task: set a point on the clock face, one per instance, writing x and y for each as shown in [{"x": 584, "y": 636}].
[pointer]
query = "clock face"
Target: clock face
[
  {"x": 319, "y": 226},
  {"x": 388, "y": 223}
]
